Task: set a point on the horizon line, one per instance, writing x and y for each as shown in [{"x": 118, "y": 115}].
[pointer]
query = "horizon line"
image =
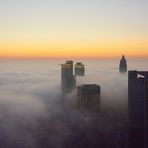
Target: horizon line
[{"x": 71, "y": 57}]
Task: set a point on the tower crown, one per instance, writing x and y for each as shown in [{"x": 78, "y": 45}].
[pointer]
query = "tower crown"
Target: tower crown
[
  {"x": 123, "y": 64},
  {"x": 123, "y": 57}
]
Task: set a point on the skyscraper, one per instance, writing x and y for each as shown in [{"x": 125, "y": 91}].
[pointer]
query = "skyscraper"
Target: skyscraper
[
  {"x": 71, "y": 65},
  {"x": 67, "y": 78},
  {"x": 138, "y": 109},
  {"x": 123, "y": 65},
  {"x": 79, "y": 69},
  {"x": 89, "y": 96}
]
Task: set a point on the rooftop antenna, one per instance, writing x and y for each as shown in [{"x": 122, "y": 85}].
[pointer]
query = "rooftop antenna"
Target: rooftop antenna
[{"x": 123, "y": 52}]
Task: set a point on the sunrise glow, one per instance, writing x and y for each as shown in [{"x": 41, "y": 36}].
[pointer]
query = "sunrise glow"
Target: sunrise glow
[{"x": 73, "y": 29}]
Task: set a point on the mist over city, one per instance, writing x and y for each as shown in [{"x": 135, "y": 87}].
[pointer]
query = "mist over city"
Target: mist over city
[
  {"x": 35, "y": 113},
  {"x": 73, "y": 74}
]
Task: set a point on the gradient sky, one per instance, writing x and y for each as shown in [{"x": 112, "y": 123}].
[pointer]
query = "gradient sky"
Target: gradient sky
[{"x": 73, "y": 28}]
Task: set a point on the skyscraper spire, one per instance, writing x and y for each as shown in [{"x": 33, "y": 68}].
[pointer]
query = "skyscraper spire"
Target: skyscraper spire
[
  {"x": 123, "y": 64},
  {"x": 123, "y": 57}
]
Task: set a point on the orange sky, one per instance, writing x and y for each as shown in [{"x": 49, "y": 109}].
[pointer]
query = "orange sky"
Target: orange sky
[
  {"x": 62, "y": 28},
  {"x": 74, "y": 49}
]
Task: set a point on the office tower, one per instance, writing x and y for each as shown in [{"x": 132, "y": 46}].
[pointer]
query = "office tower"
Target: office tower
[
  {"x": 123, "y": 65},
  {"x": 138, "y": 109},
  {"x": 67, "y": 78},
  {"x": 71, "y": 64},
  {"x": 79, "y": 69},
  {"x": 89, "y": 96}
]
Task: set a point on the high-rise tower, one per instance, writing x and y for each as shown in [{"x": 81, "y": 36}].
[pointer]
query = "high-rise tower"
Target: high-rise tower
[
  {"x": 123, "y": 65},
  {"x": 138, "y": 109},
  {"x": 89, "y": 96},
  {"x": 79, "y": 69},
  {"x": 67, "y": 78},
  {"x": 71, "y": 66}
]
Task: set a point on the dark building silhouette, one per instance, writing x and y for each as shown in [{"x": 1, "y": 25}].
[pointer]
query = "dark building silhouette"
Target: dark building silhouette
[
  {"x": 67, "y": 78},
  {"x": 89, "y": 96},
  {"x": 123, "y": 65},
  {"x": 138, "y": 109},
  {"x": 79, "y": 69},
  {"x": 71, "y": 64}
]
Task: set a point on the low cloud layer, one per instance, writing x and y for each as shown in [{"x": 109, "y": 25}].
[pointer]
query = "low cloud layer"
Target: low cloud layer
[{"x": 34, "y": 113}]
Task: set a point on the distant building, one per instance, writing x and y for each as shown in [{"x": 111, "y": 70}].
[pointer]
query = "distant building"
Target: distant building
[
  {"x": 89, "y": 96},
  {"x": 79, "y": 69},
  {"x": 67, "y": 78},
  {"x": 71, "y": 64},
  {"x": 138, "y": 109},
  {"x": 123, "y": 65}
]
